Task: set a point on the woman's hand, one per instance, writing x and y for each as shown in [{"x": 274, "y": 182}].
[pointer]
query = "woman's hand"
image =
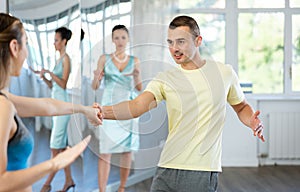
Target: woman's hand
[
  {"x": 43, "y": 71},
  {"x": 136, "y": 72},
  {"x": 98, "y": 74},
  {"x": 69, "y": 155},
  {"x": 35, "y": 71}
]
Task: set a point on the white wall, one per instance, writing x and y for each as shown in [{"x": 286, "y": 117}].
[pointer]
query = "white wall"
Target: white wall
[
  {"x": 240, "y": 147},
  {"x": 239, "y": 144},
  {"x": 270, "y": 105}
]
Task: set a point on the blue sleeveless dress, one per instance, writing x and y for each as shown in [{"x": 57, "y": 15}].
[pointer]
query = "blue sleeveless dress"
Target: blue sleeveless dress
[
  {"x": 59, "y": 139},
  {"x": 19, "y": 146},
  {"x": 117, "y": 136}
]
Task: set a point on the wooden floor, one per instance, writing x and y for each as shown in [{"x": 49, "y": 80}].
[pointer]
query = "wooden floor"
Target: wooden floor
[
  {"x": 260, "y": 179},
  {"x": 232, "y": 179}
]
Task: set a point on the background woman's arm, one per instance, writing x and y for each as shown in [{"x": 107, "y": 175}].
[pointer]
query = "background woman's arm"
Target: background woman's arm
[
  {"x": 137, "y": 74},
  {"x": 98, "y": 73},
  {"x": 62, "y": 82}
]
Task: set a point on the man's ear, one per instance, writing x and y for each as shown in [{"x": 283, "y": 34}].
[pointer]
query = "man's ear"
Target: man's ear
[
  {"x": 198, "y": 41},
  {"x": 14, "y": 47}
]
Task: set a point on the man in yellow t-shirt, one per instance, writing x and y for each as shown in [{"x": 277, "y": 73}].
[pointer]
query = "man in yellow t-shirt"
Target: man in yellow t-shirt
[{"x": 196, "y": 93}]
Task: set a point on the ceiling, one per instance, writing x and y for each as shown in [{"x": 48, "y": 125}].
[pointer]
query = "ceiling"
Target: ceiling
[{"x": 17, "y": 5}]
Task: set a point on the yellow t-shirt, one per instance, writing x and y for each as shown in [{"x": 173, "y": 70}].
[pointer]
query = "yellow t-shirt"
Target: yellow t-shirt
[{"x": 196, "y": 106}]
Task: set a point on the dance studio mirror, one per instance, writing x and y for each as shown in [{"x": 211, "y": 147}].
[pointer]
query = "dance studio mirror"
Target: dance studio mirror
[
  {"x": 91, "y": 23},
  {"x": 40, "y": 20}
]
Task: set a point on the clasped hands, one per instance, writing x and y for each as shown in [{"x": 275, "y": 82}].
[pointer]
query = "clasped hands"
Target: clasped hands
[
  {"x": 99, "y": 115},
  {"x": 43, "y": 71}
]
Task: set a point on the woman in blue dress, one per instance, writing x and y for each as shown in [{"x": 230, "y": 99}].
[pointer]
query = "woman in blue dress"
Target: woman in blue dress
[
  {"x": 58, "y": 84},
  {"x": 121, "y": 74},
  {"x": 16, "y": 142}
]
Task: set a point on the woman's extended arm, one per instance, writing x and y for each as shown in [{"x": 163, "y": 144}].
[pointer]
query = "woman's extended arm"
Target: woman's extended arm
[
  {"x": 14, "y": 180},
  {"x": 29, "y": 107}
]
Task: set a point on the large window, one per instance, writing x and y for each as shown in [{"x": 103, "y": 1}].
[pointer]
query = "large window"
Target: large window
[
  {"x": 295, "y": 71},
  {"x": 260, "y": 51},
  {"x": 261, "y": 39}
]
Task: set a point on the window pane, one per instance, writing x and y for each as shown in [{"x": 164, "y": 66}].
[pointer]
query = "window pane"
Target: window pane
[
  {"x": 261, "y": 51},
  {"x": 52, "y": 25},
  {"x": 44, "y": 48},
  {"x": 294, "y": 3},
  {"x": 261, "y": 3},
  {"x": 296, "y": 53},
  {"x": 99, "y": 15},
  {"x": 108, "y": 11},
  {"x": 34, "y": 58},
  {"x": 42, "y": 27},
  {"x": 51, "y": 49},
  {"x": 75, "y": 14},
  {"x": 184, "y": 4},
  {"x": 114, "y": 9},
  {"x": 212, "y": 29},
  {"x": 28, "y": 26},
  {"x": 62, "y": 21},
  {"x": 124, "y": 7},
  {"x": 107, "y": 28},
  {"x": 91, "y": 17}
]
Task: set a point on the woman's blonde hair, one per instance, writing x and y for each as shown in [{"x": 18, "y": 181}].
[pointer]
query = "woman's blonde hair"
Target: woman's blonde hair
[{"x": 10, "y": 28}]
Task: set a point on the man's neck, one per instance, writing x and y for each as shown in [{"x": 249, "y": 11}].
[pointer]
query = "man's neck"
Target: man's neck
[{"x": 193, "y": 64}]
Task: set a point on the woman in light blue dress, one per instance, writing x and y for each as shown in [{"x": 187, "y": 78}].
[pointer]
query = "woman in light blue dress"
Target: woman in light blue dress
[
  {"x": 121, "y": 74},
  {"x": 60, "y": 76}
]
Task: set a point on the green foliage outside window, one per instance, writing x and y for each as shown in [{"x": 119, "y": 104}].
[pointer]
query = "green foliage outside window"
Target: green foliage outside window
[{"x": 261, "y": 51}]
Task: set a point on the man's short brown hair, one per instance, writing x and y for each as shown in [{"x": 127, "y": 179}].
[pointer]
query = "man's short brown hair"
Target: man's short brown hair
[{"x": 186, "y": 21}]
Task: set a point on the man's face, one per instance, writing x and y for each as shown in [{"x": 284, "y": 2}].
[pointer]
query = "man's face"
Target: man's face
[{"x": 182, "y": 44}]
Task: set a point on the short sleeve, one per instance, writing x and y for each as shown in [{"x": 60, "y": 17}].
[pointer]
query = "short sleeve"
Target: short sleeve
[
  {"x": 235, "y": 94},
  {"x": 156, "y": 88}
]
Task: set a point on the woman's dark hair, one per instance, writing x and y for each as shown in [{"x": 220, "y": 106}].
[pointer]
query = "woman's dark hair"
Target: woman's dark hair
[
  {"x": 65, "y": 33},
  {"x": 82, "y": 34},
  {"x": 10, "y": 29},
  {"x": 117, "y": 27}
]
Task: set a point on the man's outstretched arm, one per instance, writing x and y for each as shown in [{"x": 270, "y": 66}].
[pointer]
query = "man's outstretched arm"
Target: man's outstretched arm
[
  {"x": 250, "y": 118},
  {"x": 130, "y": 109}
]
